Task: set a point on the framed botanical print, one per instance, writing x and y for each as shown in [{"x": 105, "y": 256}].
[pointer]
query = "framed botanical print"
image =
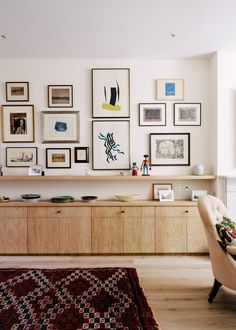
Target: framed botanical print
[
  {"x": 21, "y": 157},
  {"x": 58, "y": 158},
  {"x": 111, "y": 145},
  {"x": 111, "y": 93},
  {"x": 170, "y": 89},
  {"x": 81, "y": 155},
  {"x": 17, "y": 91},
  {"x": 17, "y": 123},
  {"x": 60, "y": 96},
  {"x": 187, "y": 114},
  {"x": 152, "y": 114}
]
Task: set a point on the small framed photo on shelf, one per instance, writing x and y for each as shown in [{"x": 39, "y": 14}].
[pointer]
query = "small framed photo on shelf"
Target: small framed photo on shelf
[
  {"x": 21, "y": 157},
  {"x": 166, "y": 195},
  {"x": 17, "y": 91},
  {"x": 58, "y": 158},
  {"x": 35, "y": 170},
  {"x": 187, "y": 114},
  {"x": 60, "y": 96},
  {"x": 81, "y": 155},
  {"x": 198, "y": 193},
  {"x": 170, "y": 89},
  {"x": 158, "y": 187},
  {"x": 152, "y": 114}
]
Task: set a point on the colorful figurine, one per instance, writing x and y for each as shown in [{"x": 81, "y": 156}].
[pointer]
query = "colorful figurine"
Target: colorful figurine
[
  {"x": 145, "y": 166},
  {"x": 134, "y": 169}
]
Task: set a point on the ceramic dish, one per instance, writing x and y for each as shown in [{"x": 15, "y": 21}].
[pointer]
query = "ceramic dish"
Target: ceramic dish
[
  {"x": 62, "y": 199},
  {"x": 89, "y": 199},
  {"x": 127, "y": 198},
  {"x": 31, "y": 198}
]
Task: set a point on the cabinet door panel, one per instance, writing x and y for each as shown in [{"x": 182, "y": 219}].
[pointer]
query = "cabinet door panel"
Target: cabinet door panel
[
  {"x": 106, "y": 212},
  {"x": 13, "y": 212},
  {"x": 13, "y": 235},
  {"x": 196, "y": 237},
  {"x": 171, "y": 211}
]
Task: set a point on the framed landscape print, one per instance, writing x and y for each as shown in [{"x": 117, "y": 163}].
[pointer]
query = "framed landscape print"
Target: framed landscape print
[
  {"x": 111, "y": 93},
  {"x": 17, "y": 91},
  {"x": 58, "y": 158},
  {"x": 111, "y": 145},
  {"x": 170, "y": 89},
  {"x": 21, "y": 157},
  {"x": 17, "y": 123},
  {"x": 60, "y": 126},
  {"x": 152, "y": 114},
  {"x": 60, "y": 96},
  {"x": 187, "y": 114},
  {"x": 81, "y": 155},
  {"x": 172, "y": 149}
]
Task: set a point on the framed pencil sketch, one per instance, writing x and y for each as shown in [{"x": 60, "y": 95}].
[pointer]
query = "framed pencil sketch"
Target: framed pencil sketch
[
  {"x": 58, "y": 158},
  {"x": 17, "y": 91},
  {"x": 166, "y": 195},
  {"x": 21, "y": 157},
  {"x": 158, "y": 187},
  {"x": 152, "y": 114},
  {"x": 170, "y": 149},
  {"x": 111, "y": 145},
  {"x": 170, "y": 89},
  {"x": 187, "y": 114},
  {"x": 60, "y": 96},
  {"x": 81, "y": 155},
  {"x": 60, "y": 126},
  {"x": 111, "y": 93},
  {"x": 18, "y": 123}
]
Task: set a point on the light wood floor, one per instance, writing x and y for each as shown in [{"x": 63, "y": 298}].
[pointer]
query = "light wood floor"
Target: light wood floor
[{"x": 176, "y": 287}]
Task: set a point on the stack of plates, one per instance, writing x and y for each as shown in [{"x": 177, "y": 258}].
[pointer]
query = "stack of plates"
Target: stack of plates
[
  {"x": 89, "y": 199},
  {"x": 62, "y": 199},
  {"x": 30, "y": 197}
]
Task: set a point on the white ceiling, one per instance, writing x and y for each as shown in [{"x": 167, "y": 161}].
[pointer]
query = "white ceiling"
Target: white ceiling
[{"x": 116, "y": 28}]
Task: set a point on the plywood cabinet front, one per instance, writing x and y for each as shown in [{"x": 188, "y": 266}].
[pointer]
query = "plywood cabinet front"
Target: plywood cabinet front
[{"x": 196, "y": 237}]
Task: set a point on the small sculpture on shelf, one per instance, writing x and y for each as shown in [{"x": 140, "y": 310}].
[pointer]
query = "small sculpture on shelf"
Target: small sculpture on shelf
[
  {"x": 145, "y": 167},
  {"x": 134, "y": 169}
]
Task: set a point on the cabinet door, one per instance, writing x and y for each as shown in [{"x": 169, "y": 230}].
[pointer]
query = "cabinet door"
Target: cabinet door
[{"x": 13, "y": 235}]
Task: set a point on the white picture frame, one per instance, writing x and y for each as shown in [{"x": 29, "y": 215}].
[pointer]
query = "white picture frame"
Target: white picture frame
[
  {"x": 166, "y": 195},
  {"x": 198, "y": 193},
  {"x": 35, "y": 170},
  {"x": 170, "y": 89}
]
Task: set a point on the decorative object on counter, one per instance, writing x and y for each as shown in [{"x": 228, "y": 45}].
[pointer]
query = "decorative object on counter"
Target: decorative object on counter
[
  {"x": 30, "y": 197},
  {"x": 134, "y": 169},
  {"x": 166, "y": 195},
  {"x": 152, "y": 114},
  {"x": 60, "y": 96},
  {"x": 160, "y": 186},
  {"x": 81, "y": 154},
  {"x": 127, "y": 198},
  {"x": 170, "y": 89},
  {"x": 58, "y": 158},
  {"x": 145, "y": 166},
  {"x": 187, "y": 114},
  {"x": 62, "y": 199},
  {"x": 89, "y": 199},
  {"x": 4, "y": 199},
  {"x": 198, "y": 193},
  {"x": 198, "y": 169},
  {"x": 17, "y": 91},
  {"x": 21, "y": 156},
  {"x": 35, "y": 170}
]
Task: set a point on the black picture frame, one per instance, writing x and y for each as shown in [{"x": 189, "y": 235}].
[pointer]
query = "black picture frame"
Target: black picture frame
[
  {"x": 152, "y": 114},
  {"x": 81, "y": 154},
  {"x": 21, "y": 156},
  {"x": 17, "y": 91},
  {"x": 187, "y": 114},
  {"x": 57, "y": 158}
]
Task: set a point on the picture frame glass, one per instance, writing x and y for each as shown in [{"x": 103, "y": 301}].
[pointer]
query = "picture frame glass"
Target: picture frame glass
[
  {"x": 58, "y": 158},
  {"x": 17, "y": 91},
  {"x": 152, "y": 114},
  {"x": 170, "y": 89},
  {"x": 187, "y": 114},
  {"x": 21, "y": 157},
  {"x": 60, "y": 96}
]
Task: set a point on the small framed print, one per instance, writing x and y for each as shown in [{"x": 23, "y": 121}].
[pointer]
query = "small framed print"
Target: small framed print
[
  {"x": 152, "y": 114},
  {"x": 187, "y": 114},
  {"x": 198, "y": 193},
  {"x": 166, "y": 195},
  {"x": 35, "y": 170},
  {"x": 81, "y": 155},
  {"x": 60, "y": 96},
  {"x": 170, "y": 89},
  {"x": 158, "y": 187},
  {"x": 17, "y": 91},
  {"x": 58, "y": 158},
  {"x": 21, "y": 157}
]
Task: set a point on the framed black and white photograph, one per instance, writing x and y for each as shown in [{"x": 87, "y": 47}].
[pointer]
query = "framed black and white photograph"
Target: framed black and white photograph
[
  {"x": 60, "y": 96},
  {"x": 157, "y": 187},
  {"x": 170, "y": 89},
  {"x": 111, "y": 145},
  {"x": 198, "y": 193},
  {"x": 81, "y": 155},
  {"x": 17, "y": 91},
  {"x": 170, "y": 149},
  {"x": 111, "y": 93},
  {"x": 35, "y": 170},
  {"x": 21, "y": 157},
  {"x": 60, "y": 126},
  {"x": 17, "y": 123},
  {"x": 187, "y": 114},
  {"x": 166, "y": 195},
  {"x": 58, "y": 158},
  {"x": 152, "y": 114}
]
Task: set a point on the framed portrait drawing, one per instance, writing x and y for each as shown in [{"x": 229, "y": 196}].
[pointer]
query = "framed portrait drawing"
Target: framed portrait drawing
[
  {"x": 21, "y": 157},
  {"x": 58, "y": 158},
  {"x": 17, "y": 91},
  {"x": 187, "y": 114},
  {"x": 152, "y": 114},
  {"x": 17, "y": 123},
  {"x": 60, "y": 96},
  {"x": 111, "y": 93},
  {"x": 170, "y": 89},
  {"x": 111, "y": 145},
  {"x": 170, "y": 149},
  {"x": 60, "y": 126},
  {"x": 157, "y": 187},
  {"x": 81, "y": 155},
  {"x": 166, "y": 195}
]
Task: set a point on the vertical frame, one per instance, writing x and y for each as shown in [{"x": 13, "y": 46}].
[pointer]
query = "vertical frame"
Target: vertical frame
[{"x": 81, "y": 155}]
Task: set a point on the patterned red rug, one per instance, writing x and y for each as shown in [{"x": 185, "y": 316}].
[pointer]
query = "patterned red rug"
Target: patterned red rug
[{"x": 68, "y": 299}]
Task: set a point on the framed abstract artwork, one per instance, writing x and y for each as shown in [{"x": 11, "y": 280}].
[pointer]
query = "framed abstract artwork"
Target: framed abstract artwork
[
  {"x": 152, "y": 114},
  {"x": 111, "y": 93},
  {"x": 170, "y": 89},
  {"x": 187, "y": 114},
  {"x": 21, "y": 157},
  {"x": 17, "y": 91},
  {"x": 60, "y": 96},
  {"x": 111, "y": 145},
  {"x": 58, "y": 158},
  {"x": 81, "y": 154},
  {"x": 170, "y": 149}
]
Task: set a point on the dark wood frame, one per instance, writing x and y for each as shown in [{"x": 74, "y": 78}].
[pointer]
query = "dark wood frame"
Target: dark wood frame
[
  {"x": 152, "y": 104},
  {"x": 86, "y": 150},
  {"x": 8, "y": 99},
  {"x": 60, "y": 105},
  {"x": 36, "y": 155},
  {"x": 53, "y": 167},
  {"x": 200, "y": 113}
]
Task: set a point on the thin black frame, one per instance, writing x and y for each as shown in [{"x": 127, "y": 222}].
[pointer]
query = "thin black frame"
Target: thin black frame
[
  {"x": 61, "y": 105},
  {"x": 53, "y": 167},
  {"x": 185, "y": 103},
  {"x": 18, "y": 82},
  {"x": 153, "y": 103},
  {"x": 36, "y": 155},
  {"x": 86, "y": 149}
]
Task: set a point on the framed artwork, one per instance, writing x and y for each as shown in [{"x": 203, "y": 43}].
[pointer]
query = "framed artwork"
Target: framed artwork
[
  {"x": 152, "y": 114},
  {"x": 158, "y": 187},
  {"x": 111, "y": 93},
  {"x": 35, "y": 170},
  {"x": 17, "y": 91},
  {"x": 170, "y": 89},
  {"x": 166, "y": 195},
  {"x": 111, "y": 145},
  {"x": 198, "y": 193},
  {"x": 187, "y": 114},
  {"x": 172, "y": 149},
  {"x": 60, "y": 96},
  {"x": 21, "y": 157},
  {"x": 17, "y": 123},
  {"x": 60, "y": 126},
  {"x": 58, "y": 158},
  {"x": 81, "y": 154}
]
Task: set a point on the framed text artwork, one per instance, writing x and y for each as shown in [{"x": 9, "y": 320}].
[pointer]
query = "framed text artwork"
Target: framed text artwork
[
  {"x": 170, "y": 89},
  {"x": 17, "y": 91},
  {"x": 152, "y": 114},
  {"x": 111, "y": 93},
  {"x": 111, "y": 145},
  {"x": 60, "y": 96}
]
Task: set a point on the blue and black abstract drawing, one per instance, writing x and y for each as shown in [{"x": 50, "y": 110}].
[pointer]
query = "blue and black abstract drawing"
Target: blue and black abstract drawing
[
  {"x": 60, "y": 126},
  {"x": 111, "y": 147}
]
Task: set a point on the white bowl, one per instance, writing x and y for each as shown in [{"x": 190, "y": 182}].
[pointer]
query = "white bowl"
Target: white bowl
[{"x": 127, "y": 198}]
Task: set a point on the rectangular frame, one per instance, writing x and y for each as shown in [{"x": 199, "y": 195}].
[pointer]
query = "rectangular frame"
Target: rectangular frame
[
  {"x": 187, "y": 114},
  {"x": 166, "y": 195},
  {"x": 17, "y": 123},
  {"x": 21, "y": 156},
  {"x": 156, "y": 187},
  {"x": 170, "y": 89},
  {"x": 60, "y": 96},
  {"x": 111, "y": 93},
  {"x": 60, "y": 126},
  {"x": 17, "y": 91},
  {"x": 81, "y": 154},
  {"x": 35, "y": 170},
  {"x": 58, "y": 158},
  {"x": 111, "y": 145},
  {"x": 170, "y": 149},
  {"x": 198, "y": 193},
  {"x": 152, "y": 114}
]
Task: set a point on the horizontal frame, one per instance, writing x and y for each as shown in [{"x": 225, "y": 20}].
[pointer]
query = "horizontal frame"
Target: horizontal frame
[
  {"x": 170, "y": 149},
  {"x": 17, "y": 91},
  {"x": 187, "y": 114},
  {"x": 156, "y": 187},
  {"x": 198, "y": 193},
  {"x": 81, "y": 154},
  {"x": 21, "y": 156},
  {"x": 166, "y": 195},
  {"x": 60, "y": 96},
  {"x": 58, "y": 158},
  {"x": 152, "y": 114},
  {"x": 35, "y": 170},
  {"x": 170, "y": 89}
]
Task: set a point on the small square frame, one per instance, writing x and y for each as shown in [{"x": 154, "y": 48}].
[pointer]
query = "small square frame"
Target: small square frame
[
  {"x": 81, "y": 155},
  {"x": 170, "y": 89},
  {"x": 21, "y": 156},
  {"x": 166, "y": 195},
  {"x": 152, "y": 114},
  {"x": 160, "y": 186},
  {"x": 187, "y": 114},
  {"x": 17, "y": 91},
  {"x": 58, "y": 158},
  {"x": 60, "y": 96},
  {"x": 198, "y": 193},
  {"x": 35, "y": 170}
]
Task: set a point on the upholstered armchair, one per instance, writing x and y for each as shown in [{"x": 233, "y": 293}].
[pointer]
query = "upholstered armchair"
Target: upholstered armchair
[{"x": 212, "y": 210}]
